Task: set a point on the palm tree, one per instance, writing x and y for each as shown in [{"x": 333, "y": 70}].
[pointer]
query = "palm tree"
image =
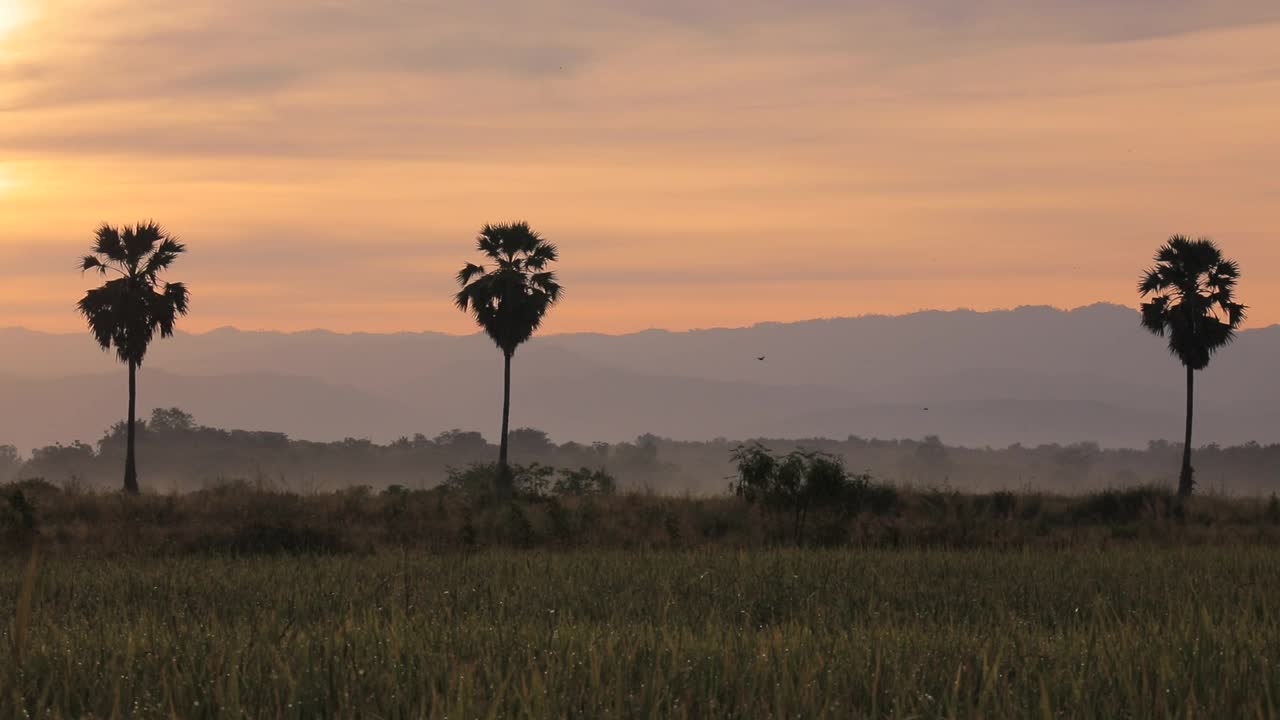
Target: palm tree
[
  {"x": 1192, "y": 302},
  {"x": 508, "y": 300},
  {"x": 127, "y": 310}
]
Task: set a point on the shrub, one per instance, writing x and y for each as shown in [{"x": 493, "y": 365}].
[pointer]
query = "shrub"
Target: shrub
[
  {"x": 1000, "y": 504},
  {"x": 18, "y": 518},
  {"x": 516, "y": 529},
  {"x": 583, "y": 482},
  {"x": 1129, "y": 505},
  {"x": 561, "y": 524},
  {"x": 397, "y": 519},
  {"x": 800, "y": 482},
  {"x": 475, "y": 480},
  {"x": 882, "y": 498},
  {"x": 864, "y": 494},
  {"x": 531, "y": 482},
  {"x": 479, "y": 481}
]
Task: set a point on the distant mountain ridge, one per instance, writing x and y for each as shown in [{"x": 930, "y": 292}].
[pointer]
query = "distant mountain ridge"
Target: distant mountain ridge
[{"x": 1033, "y": 374}]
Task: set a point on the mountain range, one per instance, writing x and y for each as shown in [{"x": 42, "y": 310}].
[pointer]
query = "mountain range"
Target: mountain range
[{"x": 1030, "y": 375}]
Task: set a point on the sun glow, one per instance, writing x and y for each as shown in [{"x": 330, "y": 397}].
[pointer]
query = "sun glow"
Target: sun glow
[{"x": 11, "y": 15}]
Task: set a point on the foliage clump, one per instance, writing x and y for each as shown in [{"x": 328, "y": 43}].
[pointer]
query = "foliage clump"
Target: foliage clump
[
  {"x": 1126, "y": 505},
  {"x": 481, "y": 481},
  {"x": 805, "y": 481}
]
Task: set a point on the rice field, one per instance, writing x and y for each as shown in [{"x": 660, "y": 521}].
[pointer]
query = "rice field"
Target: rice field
[{"x": 1132, "y": 632}]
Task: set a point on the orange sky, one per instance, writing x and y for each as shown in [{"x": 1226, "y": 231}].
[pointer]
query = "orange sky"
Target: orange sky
[{"x": 700, "y": 164}]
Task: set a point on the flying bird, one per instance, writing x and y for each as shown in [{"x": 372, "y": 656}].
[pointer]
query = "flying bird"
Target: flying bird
[{"x": 761, "y": 357}]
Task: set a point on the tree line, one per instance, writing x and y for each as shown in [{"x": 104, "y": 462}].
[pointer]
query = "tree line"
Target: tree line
[
  {"x": 1188, "y": 298},
  {"x": 189, "y": 456}
]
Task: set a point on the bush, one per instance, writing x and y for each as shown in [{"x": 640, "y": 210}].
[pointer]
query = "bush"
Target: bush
[
  {"x": 875, "y": 497},
  {"x": 531, "y": 482},
  {"x": 1000, "y": 504},
  {"x": 561, "y": 524},
  {"x": 516, "y": 529},
  {"x": 18, "y": 518},
  {"x": 479, "y": 481},
  {"x": 1125, "y": 506},
  {"x": 804, "y": 481},
  {"x": 583, "y": 482}
]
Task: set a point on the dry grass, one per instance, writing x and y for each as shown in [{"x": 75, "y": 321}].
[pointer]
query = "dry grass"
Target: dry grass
[
  {"x": 1137, "y": 632},
  {"x": 240, "y": 602}
]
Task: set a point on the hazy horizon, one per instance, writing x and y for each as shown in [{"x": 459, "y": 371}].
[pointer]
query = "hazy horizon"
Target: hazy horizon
[
  {"x": 1031, "y": 375},
  {"x": 756, "y": 324}
]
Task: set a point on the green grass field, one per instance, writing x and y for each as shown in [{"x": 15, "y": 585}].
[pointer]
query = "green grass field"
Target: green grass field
[{"x": 1132, "y": 632}]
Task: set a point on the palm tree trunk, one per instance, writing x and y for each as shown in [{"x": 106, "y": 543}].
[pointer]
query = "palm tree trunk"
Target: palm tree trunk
[
  {"x": 130, "y": 468},
  {"x": 504, "y": 471},
  {"x": 1185, "y": 481}
]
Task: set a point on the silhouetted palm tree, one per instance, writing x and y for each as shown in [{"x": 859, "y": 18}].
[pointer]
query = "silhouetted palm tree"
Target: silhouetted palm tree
[
  {"x": 127, "y": 310},
  {"x": 1192, "y": 291},
  {"x": 508, "y": 299}
]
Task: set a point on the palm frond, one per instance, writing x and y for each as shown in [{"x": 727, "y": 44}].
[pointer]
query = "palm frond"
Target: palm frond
[
  {"x": 1215, "y": 334},
  {"x": 541, "y": 254},
  {"x": 139, "y": 240},
  {"x": 107, "y": 243},
  {"x": 1202, "y": 254},
  {"x": 1236, "y": 313},
  {"x": 1153, "y": 315},
  {"x": 101, "y": 308},
  {"x": 164, "y": 308},
  {"x": 462, "y": 300},
  {"x": 1150, "y": 282},
  {"x": 489, "y": 241},
  {"x": 165, "y": 253},
  {"x": 469, "y": 272},
  {"x": 547, "y": 284},
  {"x": 1228, "y": 269},
  {"x": 177, "y": 295},
  {"x": 1171, "y": 252}
]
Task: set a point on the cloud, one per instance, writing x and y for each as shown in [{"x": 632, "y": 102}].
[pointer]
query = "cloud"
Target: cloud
[{"x": 294, "y": 141}]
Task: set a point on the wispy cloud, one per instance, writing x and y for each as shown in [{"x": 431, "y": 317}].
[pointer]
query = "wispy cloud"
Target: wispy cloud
[{"x": 294, "y": 142}]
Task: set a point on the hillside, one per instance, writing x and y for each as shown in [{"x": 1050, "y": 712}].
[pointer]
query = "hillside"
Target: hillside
[{"x": 1029, "y": 375}]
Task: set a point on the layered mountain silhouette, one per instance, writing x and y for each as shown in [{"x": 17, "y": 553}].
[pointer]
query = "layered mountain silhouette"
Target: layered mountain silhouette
[{"x": 1030, "y": 375}]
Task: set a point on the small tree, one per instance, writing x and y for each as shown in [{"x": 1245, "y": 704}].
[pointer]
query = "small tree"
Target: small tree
[
  {"x": 530, "y": 441},
  {"x": 172, "y": 420},
  {"x": 583, "y": 482},
  {"x": 795, "y": 484}
]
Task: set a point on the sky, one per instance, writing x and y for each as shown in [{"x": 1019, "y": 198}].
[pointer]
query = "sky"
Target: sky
[{"x": 700, "y": 164}]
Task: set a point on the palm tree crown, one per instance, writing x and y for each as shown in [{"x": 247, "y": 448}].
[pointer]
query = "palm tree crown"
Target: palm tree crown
[
  {"x": 128, "y": 310},
  {"x": 510, "y": 297},
  {"x": 1192, "y": 299}
]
